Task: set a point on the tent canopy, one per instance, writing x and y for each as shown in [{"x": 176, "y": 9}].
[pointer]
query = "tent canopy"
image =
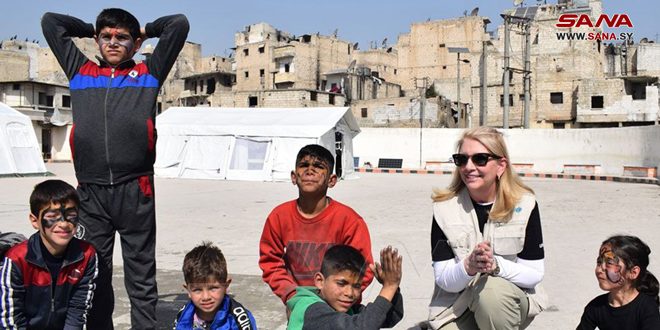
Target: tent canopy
[
  {"x": 19, "y": 149},
  {"x": 248, "y": 143},
  {"x": 282, "y": 122}
]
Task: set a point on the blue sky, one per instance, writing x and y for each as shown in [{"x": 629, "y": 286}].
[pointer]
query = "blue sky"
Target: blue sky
[{"x": 213, "y": 23}]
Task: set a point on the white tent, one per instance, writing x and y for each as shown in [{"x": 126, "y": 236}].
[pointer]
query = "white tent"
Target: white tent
[
  {"x": 19, "y": 149},
  {"x": 257, "y": 144}
]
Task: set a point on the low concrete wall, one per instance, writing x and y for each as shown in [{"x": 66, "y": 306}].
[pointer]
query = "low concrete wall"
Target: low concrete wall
[{"x": 549, "y": 150}]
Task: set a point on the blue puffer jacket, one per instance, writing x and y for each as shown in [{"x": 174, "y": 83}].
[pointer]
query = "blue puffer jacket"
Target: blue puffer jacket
[{"x": 231, "y": 316}]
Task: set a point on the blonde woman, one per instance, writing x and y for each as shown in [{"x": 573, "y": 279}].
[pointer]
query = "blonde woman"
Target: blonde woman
[{"x": 487, "y": 243}]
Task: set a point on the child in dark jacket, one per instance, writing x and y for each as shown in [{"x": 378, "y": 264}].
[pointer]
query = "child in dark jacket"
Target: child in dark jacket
[
  {"x": 210, "y": 308},
  {"x": 48, "y": 280},
  {"x": 333, "y": 303},
  {"x": 113, "y": 145}
]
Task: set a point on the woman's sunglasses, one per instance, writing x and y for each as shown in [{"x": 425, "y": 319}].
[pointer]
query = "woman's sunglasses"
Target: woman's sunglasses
[{"x": 480, "y": 159}]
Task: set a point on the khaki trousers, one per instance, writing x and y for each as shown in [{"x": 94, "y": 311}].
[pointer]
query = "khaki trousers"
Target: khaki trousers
[{"x": 495, "y": 304}]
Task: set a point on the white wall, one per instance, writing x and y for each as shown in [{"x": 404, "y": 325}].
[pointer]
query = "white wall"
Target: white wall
[{"x": 547, "y": 149}]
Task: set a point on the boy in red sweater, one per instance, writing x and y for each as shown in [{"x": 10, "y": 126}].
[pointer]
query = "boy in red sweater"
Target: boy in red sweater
[{"x": 297, "y": 233}]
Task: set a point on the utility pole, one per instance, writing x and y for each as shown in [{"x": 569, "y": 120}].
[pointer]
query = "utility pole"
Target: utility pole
[
  {"x": 483, "y": 111},
  {"x": 507, "y": 45},
  {"x": 422, "y": 103},
  {"x": 527, "y": 75},
  {"x": 458, "y": 51}
]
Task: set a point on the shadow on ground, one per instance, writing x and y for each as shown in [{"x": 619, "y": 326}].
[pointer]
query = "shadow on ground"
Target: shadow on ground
[{"x": 249, "y": 290}]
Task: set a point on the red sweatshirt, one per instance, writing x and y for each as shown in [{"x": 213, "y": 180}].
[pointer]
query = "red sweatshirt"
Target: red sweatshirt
[{"x": 292, "y": 247}]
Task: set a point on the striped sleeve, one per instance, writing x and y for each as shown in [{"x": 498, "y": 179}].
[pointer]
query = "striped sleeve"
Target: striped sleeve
[
  {"x": 12, "y": 294},
  {"x": 81, "y": 297}
]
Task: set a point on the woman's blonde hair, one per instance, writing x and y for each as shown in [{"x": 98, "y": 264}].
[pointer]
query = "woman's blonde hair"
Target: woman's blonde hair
[{"x": 509, "y": 186}]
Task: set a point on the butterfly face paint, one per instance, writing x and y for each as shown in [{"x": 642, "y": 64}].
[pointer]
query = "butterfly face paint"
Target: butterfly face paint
[
  {"x": 52, "y": 215},
  {"x": 609, "y": 263},
  {"x": 113, "y": 38}
]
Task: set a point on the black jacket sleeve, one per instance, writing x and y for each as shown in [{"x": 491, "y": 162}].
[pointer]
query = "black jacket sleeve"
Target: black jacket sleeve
[
  {"x": 58, "y": 30},
  {"x": 172, "y": 32},
  {"x": 379, "y": 314},
  {"x": 81, "y": 297},
  {"x": 13, "y": 291}
]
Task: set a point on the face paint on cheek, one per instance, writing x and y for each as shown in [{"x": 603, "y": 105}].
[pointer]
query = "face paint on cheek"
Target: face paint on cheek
[
  {"x": 613, "y": 276},
  {"x": 113, "y": 38},
  {"x": 610, "y": 262},
  {"x": 47, "y": 224}
]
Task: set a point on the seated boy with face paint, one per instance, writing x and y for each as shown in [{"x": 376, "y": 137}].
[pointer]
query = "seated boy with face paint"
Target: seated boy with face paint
[
  {"x": 47, "y": 281},
  {"x": 334, "y": 303}
]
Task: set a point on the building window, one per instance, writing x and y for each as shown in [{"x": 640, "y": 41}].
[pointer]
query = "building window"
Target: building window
[
  {"x": 557, "y": 98},
  {"x": 46, "y": 100},
  {"x": 558, "y": 125},
  {"x": 262, "y": 49},
  {"x": 597, "y": 102},
  {"x": 66, "y": 101},
  {"x": 510, "y": 100},
  {"x": 331, "y": 99},
  {"x": 287, "y": 67},
  {"x": 247, "y": 74},
  {"x": 262, "y": 72},
  {"x": 210, "y": 86},
  {"x": 16, "y": 87},
  {"x": 441, "y": 45},
  {"x": 395, "y": 71},
  {"x": 159, "y": 108},
  {"x": 246, "y": 51},
  {"x": 365, "y": 112},
  {"x": 313, "y": 96},
  {"x": 252, "y": 101},
  {"x": 194, "y": 87}
]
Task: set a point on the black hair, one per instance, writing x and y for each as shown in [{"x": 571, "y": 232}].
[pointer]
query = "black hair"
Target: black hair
[
  {"x": 340, "y": 258},
  {"x": 118, "y": 18},
  {"x": 203, "y": 263},
  {"x": 319, "y": 152},
  {"x": 634, "y": 252},
  {"x": 52, "y": 191}
]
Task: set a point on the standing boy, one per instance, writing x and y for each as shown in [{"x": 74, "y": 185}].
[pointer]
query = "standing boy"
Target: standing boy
[
  {"x": 48, "y": 280},
  {"x": 333, "y": 303},
  {"x": 207, "y": 281},
  {"x": 113, "y": 145},
  {"x": 297, "y": 233}
]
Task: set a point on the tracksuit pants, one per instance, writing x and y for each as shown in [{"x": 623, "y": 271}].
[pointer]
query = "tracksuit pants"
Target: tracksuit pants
[{"x": 129, "y": 209}]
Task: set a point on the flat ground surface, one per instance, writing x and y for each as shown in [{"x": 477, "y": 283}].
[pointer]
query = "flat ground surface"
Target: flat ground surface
[{"x": 576, "y": 217}]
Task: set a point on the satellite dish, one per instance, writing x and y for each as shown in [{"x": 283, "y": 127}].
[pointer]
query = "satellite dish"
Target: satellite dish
[
  {"x": 355, "y": 46},
  {"x": 351, "y": 66},
  {"x": 518, "y": 3},
  {"x": 335, "y": 32},
  {"x": 384, "y": 43},
  {"x": 475, "y": 11}
]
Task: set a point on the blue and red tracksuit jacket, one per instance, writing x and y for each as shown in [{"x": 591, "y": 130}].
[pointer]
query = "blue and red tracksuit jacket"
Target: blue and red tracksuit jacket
[
  {"x": 114, "y": 108},
  {"x": 30, "y": 299}
]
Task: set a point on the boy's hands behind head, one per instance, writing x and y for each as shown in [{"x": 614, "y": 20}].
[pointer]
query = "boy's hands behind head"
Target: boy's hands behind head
[{"x": 388, "y": 272}]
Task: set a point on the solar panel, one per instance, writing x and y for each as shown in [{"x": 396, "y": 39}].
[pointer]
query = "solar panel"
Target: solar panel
[
  {"x": 526, "y": 12},
  {"x": 390, "y": 162}
]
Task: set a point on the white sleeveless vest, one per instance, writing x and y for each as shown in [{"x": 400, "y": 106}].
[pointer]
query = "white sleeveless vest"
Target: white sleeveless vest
[{"x": 458, "y": 220}]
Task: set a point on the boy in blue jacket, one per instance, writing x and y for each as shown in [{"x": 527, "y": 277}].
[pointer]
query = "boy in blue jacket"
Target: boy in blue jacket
[
  {"x": 48, "y": 280},
  {"x": 210, "y": 308}
]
